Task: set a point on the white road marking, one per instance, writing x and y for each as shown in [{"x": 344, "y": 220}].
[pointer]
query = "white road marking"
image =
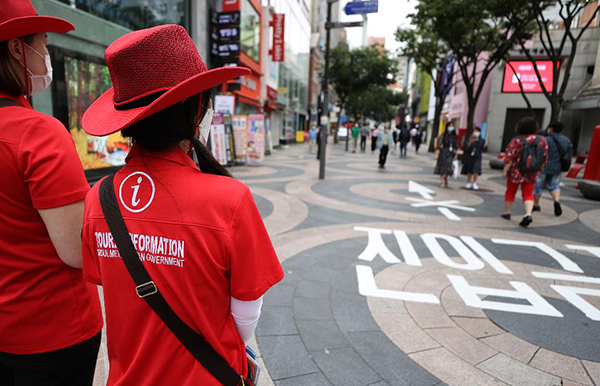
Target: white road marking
[
  {"x": 486, "y": 255},
  {"x": 425, "y": 192},
  {"x": 420, "y": 203},
  {"x": 449, "y": 214},
  {"x": 472, "y": 262},
  {"x": 566, "y": 263},
  {"x": 470, "y": 295},
  {"x": 407, "y": 249},
  {"x": 376, "y": 246},
  {"x": 559, "y": 276},
  {"x": 571, "y": 294},
  {"x": 593, "y": 250},
  {"x": 368, "y": 287}
]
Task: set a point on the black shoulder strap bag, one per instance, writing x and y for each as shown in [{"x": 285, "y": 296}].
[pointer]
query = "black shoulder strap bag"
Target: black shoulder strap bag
[
  {"x": 147, "y": 290},
  {"x": 8, "y": 103}
]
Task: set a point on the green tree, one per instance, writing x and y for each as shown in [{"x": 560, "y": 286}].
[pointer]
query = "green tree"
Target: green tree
[
  {"x": 561, "y": 50},
  {"x": 352, "y": 72},
  {"x": 479, "y": 34},
  {"x": 378, "y": 103},
  {"x": 430, "y": 52}
]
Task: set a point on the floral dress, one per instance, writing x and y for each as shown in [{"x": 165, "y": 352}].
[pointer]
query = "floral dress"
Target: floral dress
[{"x": 447, "y": 146}]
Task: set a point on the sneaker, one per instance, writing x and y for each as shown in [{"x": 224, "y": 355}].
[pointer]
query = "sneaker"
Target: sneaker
[
  {"x": 537, "y": 208},
  {"x": 557, "y": 209},
  {"x": 469, "y": 185},
  {"x": 505, "y": 216},
  {"x": 526, "y": 221},
  {"x": 475, "y": 186}
]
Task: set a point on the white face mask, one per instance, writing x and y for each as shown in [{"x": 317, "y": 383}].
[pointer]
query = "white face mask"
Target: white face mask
[
  {"x": 40, "y": 82},
  {"x": 205, "y": 126},
  {"x": 476, "y": 134}
]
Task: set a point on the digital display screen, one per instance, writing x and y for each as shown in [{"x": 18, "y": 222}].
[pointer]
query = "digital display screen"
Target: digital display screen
[{"x": 525, "y": 71}]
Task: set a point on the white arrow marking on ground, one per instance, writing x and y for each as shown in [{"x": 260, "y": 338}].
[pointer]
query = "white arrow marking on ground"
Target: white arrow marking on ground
[
  {"x": 449, "y": 214},
  {"x": 448, "y": 204},
  {"x": 425, "y": 192}
]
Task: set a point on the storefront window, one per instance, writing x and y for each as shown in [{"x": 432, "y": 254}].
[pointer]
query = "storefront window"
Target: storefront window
[
  {"x": 137, "y": 14},
  {"x": 250, "y": 31}
]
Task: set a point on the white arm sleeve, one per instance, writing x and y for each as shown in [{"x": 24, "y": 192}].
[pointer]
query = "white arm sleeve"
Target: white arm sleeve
[{"x": 245, "y": 316}]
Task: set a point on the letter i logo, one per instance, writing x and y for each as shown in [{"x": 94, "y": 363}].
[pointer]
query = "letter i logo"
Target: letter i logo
[{"x": 137, "y": 193}]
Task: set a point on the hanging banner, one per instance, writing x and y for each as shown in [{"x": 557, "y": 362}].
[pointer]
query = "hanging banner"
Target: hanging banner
[
  {"x": 278, "y": 24},
  {"x": 217, "y": 139},
  {"x": 240, "y": 138},
  {"x": 256, "y": 139}
]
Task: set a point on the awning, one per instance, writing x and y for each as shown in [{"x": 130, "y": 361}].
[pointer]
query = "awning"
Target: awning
[
  {"x": 248, "y": 100},
  {"x": 270, "y": 105}
]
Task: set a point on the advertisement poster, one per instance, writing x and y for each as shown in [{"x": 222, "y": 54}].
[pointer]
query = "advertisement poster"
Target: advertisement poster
[
  {"x": 229, "y": 146},
  {"x": 217, "y": 139},
  {"x": 525, "y": 72},
  {"x": 86, "y": 81},
  {"x": 240, "y": 138},
  {"x": 256, "y": 139},
  {"x": 224, "y": 104}
]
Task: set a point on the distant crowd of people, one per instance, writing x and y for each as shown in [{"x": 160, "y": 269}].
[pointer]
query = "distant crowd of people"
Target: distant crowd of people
[{"x": 532, "y": 161}]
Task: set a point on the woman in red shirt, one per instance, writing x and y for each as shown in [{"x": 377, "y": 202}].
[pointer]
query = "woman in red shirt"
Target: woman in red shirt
[
  {"x": 50, "y": 318},
  {"x": 196, "y": 230},
  {"x": 514, "y": 173}
]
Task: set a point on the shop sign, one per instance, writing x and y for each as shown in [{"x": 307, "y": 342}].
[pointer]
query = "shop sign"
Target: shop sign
[
  {"x": 231, "y": 5},
  {"x": 249, "y": 83},
  {"x": 525, "y": 72},
  {"x": 272, "y": 94},
  {"x": 278, "y": 24},
  {"x": 224, "y": 104}
]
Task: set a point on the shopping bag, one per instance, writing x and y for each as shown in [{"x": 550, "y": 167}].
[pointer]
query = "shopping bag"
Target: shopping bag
[{"x": 455, "y": 169}]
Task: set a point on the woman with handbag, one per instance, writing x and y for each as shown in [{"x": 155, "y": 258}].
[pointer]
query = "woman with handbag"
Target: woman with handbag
[
  {"x": 50, "y": 317},
  {"x": 180, "y": 249},
  {"x": 446, "y": 148}
]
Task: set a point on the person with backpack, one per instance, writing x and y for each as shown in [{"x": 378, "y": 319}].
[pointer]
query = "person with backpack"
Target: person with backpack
[
  {"x": 404, "y": 139},
  {"x": 179, "y": 248},
  {"x": 560, "y": 150},
  {"x": 526, "y": 156},
  {"x": 50, "y": 316}
]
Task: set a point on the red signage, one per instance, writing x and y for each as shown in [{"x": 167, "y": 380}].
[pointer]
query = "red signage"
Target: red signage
[
  {"x": 278, "y": 24},
  {"x": 231, "y": 5},
  {"x": 525, "y": 71},
  {"x": 272, "y": 94}
]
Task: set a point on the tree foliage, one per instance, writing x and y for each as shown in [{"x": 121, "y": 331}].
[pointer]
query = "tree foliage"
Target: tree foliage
[
  {"x": 568, "y": 12},
  {"x": 358, "y": 73},
  {"x": 478, "y": 33},
  {"x": 378, "y": 103}
]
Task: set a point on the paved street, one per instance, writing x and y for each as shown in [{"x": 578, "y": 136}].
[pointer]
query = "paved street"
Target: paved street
[{"x": 393, "y": 282}]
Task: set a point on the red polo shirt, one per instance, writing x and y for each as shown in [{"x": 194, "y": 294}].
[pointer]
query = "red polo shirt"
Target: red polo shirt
[
  {"x": 202, "y": 240},
  {"x": 45, "y": 305}
]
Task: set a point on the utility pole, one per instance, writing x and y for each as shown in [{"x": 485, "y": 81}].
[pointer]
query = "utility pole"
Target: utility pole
[{"x": 323, "y": 140}]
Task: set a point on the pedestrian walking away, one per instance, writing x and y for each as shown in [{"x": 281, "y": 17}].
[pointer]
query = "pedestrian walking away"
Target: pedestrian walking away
[
  {"x": 446, "y": 150},
  {"x": 384, "y": 142},
  {"x": 413, "y": 134},
  {"x": 473, "y": 155},
  {"x": 313, "y": 138},
  {"x": 404, "y": 138},
  {"x": 560, "y": 151},
  {"x": 526, "y": 155},
  {"x": 364, "y": 133},
  {"x": 195, "y": 233},
  {"x": 374, "y": 136},
  {"x": 355, "y": 135},
  {"x": 395, "y": 136},
  {"x": 50, "y": 318}
]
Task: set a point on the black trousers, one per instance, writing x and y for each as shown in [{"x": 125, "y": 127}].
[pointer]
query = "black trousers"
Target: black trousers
[
  {"x": 73, "y": 365},
  {"x": 363, "y": 143},
  {"x": 373, "y": 143},
  {"x": 383, "y": 152},
  {"x": 403, "y": 148}
]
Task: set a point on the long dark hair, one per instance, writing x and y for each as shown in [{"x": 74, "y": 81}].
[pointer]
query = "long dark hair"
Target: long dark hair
[{"x": 167, "y": 128}]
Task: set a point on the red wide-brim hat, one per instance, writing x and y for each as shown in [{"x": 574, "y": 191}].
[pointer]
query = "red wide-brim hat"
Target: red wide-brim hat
[
  {"x": 151, "y": 69},
  {"x": 18, "y": 18}
]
